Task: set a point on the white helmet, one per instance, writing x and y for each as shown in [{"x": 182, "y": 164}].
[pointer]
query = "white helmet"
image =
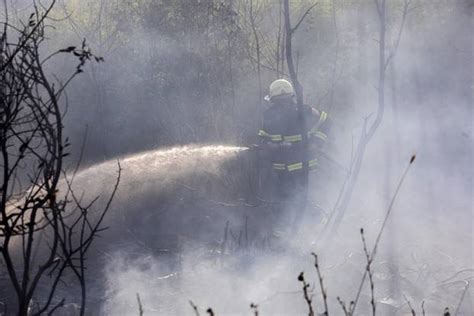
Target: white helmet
[{"x": 281, "y": 87}]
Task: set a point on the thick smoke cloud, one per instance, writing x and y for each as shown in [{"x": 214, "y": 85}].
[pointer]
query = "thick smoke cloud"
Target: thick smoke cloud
[
  {"x": 168, "y": 223},
  {"x": 429, "y": 237}
]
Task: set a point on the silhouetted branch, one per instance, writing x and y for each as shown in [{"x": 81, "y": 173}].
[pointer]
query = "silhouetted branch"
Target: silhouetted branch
[
  {"x": 413, "y": 313},
  {"x": 195, "y": 308},
  {"x": 346, "y": 309},
  {"x": 323, "y": 290},
  {"x": 308, "y": 300},
  {"x": 33, "y": 147},
  {"x": 254, "y": 307},
  {"x": 140, "y": 306},
  {"x": 29, "y": 33},
  {"x": 369, "y": 271}
]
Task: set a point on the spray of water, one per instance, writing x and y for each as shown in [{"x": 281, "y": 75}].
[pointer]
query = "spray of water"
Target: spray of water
[
  {"x": 145, "y": 179},
  {"x": 153, "y": 170},
  {"x": 150, "y": 170}
]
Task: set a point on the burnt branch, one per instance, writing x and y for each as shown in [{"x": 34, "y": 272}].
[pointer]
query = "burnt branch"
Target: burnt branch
[
  {"x": 306, "y": 296},
  {"x": 321, "y": 284},
  {"x": 34, "y": 211},
  {"x": 369, "y": 272}
]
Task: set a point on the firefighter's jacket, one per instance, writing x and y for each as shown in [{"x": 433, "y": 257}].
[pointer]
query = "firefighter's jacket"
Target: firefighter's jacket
[{"x": 281, "y": 130}]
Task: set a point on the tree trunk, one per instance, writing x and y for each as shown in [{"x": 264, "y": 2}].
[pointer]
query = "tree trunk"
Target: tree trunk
[
  {"x": 366, "y": 135},
  {"x": 299, "y": 99}
]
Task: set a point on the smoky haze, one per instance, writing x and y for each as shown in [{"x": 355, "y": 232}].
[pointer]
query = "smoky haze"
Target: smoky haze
[{"x": 177, "y": 102}]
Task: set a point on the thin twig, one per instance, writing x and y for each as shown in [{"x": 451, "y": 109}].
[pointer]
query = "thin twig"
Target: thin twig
[
  {"x": 409, "y": 305},
  {"x": 308, "y": 299},
  {"x": 140, "y": 306},
  {"x": 195, "y": 308},
  {"x": 38, "y": 24},
  {"x": 369, "y": 271},
  {"x": 321, "y": 284},
  {"x": 254, "y": 307},
  {"x": 344, "y": 307},
  {"x": 406, "y": 10},
  {"x": 387, "y": 215}
]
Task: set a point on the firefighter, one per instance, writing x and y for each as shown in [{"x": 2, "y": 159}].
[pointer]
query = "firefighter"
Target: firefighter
[{"x": 286, "y": 153}]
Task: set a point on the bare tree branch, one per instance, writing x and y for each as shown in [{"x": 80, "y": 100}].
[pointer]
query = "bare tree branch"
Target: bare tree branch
[
  {"x": 293, "y": 29},
  {"x": 33, "y": 147},
  {"x": 28, "y": 36},
  {"x": 406, "y": 10}
]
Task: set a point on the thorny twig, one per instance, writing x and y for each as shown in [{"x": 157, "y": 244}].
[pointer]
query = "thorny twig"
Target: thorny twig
[
  {"x": 346, "y": 311},
  {"x": 306, "y": 295},
  {"x": 320, "y": 277},
  {"x": 369, "y": 271},
  {"x": 254, "y": 307}
]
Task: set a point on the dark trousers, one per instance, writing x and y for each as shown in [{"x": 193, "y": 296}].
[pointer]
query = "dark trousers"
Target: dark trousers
[{"x": 291, "y": 194}]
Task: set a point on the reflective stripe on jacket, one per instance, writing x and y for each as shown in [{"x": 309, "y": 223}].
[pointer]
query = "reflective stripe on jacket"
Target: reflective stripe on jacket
[
  {"x": 313, "y": 132},
  {"x": 312, "y": 164},
  {"x": 282, "y": 123}
]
